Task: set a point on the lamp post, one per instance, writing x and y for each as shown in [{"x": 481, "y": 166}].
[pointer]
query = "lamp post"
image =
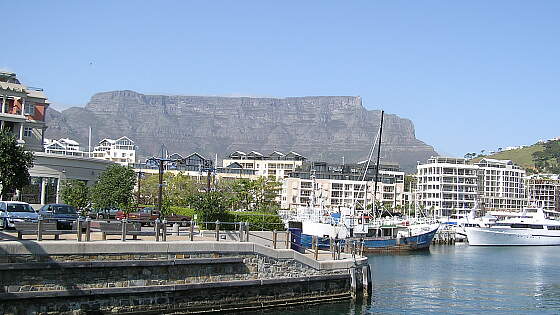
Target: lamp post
[{"x": 162, "y": 163}]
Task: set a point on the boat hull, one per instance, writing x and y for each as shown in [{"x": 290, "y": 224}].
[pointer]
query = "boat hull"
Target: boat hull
[
  {"x": 371, "y": 245},
  {"x": 507, "y": 237}
]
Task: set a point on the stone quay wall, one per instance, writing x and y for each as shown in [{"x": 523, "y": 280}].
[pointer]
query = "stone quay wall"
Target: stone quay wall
[{"x": 115, "y": 277}]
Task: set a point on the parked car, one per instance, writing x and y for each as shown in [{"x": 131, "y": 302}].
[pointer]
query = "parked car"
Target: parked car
[
  {"x": 64, "y": 215},
  {"x": 16, "y": 211},
  {"x": 103, "y": 214},
  {"x": 145, "y": 215}
]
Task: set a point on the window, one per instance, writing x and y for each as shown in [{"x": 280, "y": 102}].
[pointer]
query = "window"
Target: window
[
  {"x": 29, "y": 109},
  {"x": 27, "y": 131}
]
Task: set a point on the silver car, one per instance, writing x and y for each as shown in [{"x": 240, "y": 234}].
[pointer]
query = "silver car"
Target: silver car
[{"x": 16, "y": 211}]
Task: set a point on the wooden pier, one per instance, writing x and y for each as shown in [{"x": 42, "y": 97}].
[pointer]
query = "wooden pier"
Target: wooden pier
[{"x": 446, "y": 236}]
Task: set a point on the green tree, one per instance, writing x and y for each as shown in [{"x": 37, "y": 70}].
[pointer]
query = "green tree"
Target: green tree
[
  {"x": 176, "y": 190},
  {"x": 114, "y": 188},
  {"x": 75, "y": 193},
  {"x": 14, "y": 165},
  {"x": 210, "y": 207}
]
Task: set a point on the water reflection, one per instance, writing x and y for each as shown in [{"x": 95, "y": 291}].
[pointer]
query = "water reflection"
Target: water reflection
[{"x": 459, "y": 280}]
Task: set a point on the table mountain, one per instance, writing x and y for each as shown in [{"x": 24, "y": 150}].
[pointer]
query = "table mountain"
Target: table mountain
[{"x": 319, "y": 127}]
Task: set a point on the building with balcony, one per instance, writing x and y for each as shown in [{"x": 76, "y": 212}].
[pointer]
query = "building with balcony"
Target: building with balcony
[
  {"x": 120, "y": 151},
  {"x": 446, "y": 185},
  {"x": 543, "y": 190},
  {"x": 502, "y": 185},
  {"x": 276, "y": 165},
  {"x": 22, "y": 111},
  {"x": 64, "y": 146},
  {"x": 345, "y": 185}
]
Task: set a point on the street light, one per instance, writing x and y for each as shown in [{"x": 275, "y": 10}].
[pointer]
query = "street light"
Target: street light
[{"x": 162, "y": 162}]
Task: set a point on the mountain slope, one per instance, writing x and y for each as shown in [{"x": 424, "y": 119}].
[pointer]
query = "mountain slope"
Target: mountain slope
[{"x": 319, "y": 127}]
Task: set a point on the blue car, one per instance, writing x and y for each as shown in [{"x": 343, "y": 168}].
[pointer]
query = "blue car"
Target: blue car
[
  {"x": 15, "y": 211},
  {"x": 64, "y": 215}
]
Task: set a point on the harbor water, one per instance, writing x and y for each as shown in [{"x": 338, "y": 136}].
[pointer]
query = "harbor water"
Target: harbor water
[{"x": 457, "y": 279}]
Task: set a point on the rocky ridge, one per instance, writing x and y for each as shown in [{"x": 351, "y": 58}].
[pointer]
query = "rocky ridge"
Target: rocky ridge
[{"x": 318, "y": 127}]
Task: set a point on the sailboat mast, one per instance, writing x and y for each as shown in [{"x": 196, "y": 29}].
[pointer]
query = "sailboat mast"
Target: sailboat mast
[{"x": 377, "y": 164}]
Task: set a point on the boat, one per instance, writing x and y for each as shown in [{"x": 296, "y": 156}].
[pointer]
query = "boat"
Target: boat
[
  {"x": 533, "y": 226},
  {"x": 348, "y": 224}
]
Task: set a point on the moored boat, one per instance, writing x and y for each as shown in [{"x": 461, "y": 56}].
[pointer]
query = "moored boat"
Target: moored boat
[{"x": 534, "y": 226}]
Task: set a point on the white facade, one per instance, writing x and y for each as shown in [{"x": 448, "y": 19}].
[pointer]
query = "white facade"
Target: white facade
[
  {"x": 277, "y": 165},
  {"x": 121, "y": 151},
  {"x": 335, "y": 193},
  {"x": 64, "y": 146},
  {"x": 446, "y": 185},
  {"x": 502, "y": 185},
  {"x": 543, "y": 190}
]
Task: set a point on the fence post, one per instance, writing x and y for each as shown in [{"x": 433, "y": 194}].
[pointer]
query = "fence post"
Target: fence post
[
  {"x": 78, "y": 230},
  {"x": 362, "y": 248},
  {"x": 354, "y": 249},
  {"x": 40, "y": 228},
  {"x": 191, "y": 236},
  {"x": 217, "y": 230},
  {"x": 176, "y": 229},
  {"x": 123, "y": 230},
  {"x": 164, "y": 230},
  {"x": 288, "y": 239},
  {"x": 247, "y": 231},
  {"x": 274, "y": 238},
  {"x": 158, "y": 229},
  {"x": 88, "y": 229},
  {"x": 241, "y": 231},
  {"x": 332, "y": 247},
  {"x": 316, "y": 249}
]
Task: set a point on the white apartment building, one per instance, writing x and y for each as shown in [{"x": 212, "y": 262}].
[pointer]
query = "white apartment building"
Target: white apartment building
[
  {"x": 446, "y": 185},
  {"x": 276, "y": 165},
  {"x": 22, "y": 111},
  {"x": 120, "y": 151},
  {"x": 502, "y": 185},
  {"x": 342, "y": 186},
  {"x": 64, "y": 146},
  {"x": 543, "y": 190}
]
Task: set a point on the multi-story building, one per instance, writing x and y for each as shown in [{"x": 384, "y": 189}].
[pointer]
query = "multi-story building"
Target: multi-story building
[
  {"x": 502, "y": 185},
  {"x": 543, "y": 190},
  {"x": 342, "y": 186},
  {"x": 277, "y": 165},
  {"x": 120, "y": 151},
  {"x": 64, "y": 146},
  {"x": 22, "y": 111},
  {"x": 446, "y": 185}
]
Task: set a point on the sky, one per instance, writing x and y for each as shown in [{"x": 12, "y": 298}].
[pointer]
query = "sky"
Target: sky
[{"x": 471, "y": 75}]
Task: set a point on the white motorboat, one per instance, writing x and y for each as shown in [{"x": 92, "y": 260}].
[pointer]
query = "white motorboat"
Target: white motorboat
[{"x": 533, "y": 226}]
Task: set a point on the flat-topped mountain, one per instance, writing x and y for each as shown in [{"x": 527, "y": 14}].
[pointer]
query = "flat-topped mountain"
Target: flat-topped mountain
[{"x": 318, "y": 127}]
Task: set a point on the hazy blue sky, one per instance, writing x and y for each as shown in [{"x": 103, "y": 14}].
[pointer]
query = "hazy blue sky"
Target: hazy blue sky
[{"x": 472, "y": 75}]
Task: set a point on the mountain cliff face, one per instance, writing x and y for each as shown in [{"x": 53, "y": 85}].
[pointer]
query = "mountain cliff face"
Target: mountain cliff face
[{"x": 319, "y": 127}]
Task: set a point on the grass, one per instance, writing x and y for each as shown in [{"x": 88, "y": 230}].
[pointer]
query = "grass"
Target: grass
[{"x": 522, "y": 157}]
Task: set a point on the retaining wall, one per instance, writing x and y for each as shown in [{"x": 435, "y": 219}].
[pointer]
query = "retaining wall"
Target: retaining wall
[{"x": 101, "y": 277}]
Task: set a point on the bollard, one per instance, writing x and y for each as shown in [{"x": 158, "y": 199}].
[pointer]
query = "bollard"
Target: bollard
[
  {"x": 158, "y": 229},
  {"x": 40, "y": 228},
  {"x": 316, "y": 249},
  {"x": 217, "y": 230},
  {"x": 241, "y": 231},
  {"x": 164, "y": 230},
  {"x": 288, "y": 239},
  {"x": 191, "y": 236},
  {"x": 78, "y": 230},
  {"x": 88, "y": 229},
  {"x": 176, "y": 229},
  {"x": 123, "y": 230},
  {"x": 274, "y": 237}
]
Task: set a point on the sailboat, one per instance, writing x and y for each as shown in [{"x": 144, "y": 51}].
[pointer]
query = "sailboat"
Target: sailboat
[{"x": 360, "y": 226}]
